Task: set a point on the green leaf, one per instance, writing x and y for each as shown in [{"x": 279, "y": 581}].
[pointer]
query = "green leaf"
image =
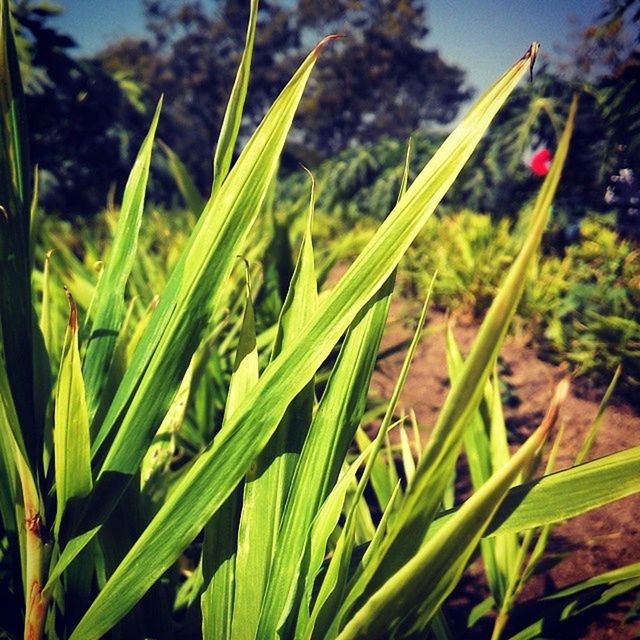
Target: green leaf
[
  {"x": 323, "y": 525},
  {"x": 233, "y": 113},
  {"x": 162, "y": 357},
  {"x": 21, "y": 491},
  {"x": 580, "y": 597},
  {"x": 219, "y": 549},
  {"x": 108, "y": 307},
  {"x": 591, "y": 436},
  {"x": 16, "y": 312},
  {"x": 186, "y": 186},
  {"x": 500, "y": 553},
  {"x": 71, "y": 444},
  {"x": 215, "y": 474},
  {"x": 408, "y": 461},
  {"x": 339, "y": 412},
  {"x": 33, "y": 217},
  {"x": 564, "y": 494},
  {"x": 46, "y": 319},
  {"x": 157, "y": 460},
  {"x": 381, "y": 482},
  {"x": 269, "y": 479},
  {"x": 323, "y": 621}
]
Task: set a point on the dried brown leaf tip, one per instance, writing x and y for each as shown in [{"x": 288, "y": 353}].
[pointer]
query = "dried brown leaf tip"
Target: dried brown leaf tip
[
  {"x": 531, "y": 54},
  {"x": 560, "y": 395},
  {"x": 325, "y": 41},
  {"x": 73, "y": 311}
]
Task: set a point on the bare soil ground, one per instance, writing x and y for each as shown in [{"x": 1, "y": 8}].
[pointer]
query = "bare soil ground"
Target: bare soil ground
[{"x": 600, "y": 540}]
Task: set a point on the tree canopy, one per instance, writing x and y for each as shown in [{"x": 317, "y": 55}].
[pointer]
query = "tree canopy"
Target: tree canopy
[
  {"x": 381, "y": 79},
  {"x": 83, "y": 124}
]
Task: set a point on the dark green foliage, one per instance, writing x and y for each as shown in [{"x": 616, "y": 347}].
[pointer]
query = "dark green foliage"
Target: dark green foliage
[
  {"x": 79, "y": 117},
  {"x": 501, "y": 181},
  {"x": 363, "y": 181},
  {"x": 594, "y": 320}
]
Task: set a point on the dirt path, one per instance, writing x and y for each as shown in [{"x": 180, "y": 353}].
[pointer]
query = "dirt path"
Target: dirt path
[{"x": 600, "y": 540}]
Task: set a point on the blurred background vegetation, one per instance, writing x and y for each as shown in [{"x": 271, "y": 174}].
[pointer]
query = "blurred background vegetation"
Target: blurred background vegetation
[{"x": 374, "y": 89}]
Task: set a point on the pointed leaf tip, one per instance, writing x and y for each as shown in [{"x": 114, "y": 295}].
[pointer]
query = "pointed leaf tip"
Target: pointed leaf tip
[
  {"x": 73, "y": 311},
  {"x": 311, "y": 176},
  {"x": 559, "y": 396},
  {"x": 325, "y": 41},
  {"x": 531, "y": 54}
]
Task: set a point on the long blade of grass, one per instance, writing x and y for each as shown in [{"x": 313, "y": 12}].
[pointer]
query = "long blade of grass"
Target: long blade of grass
[
  {"x": 591, "y": 436},
  {"x": 215, "y": 474},
  {"x": 323, "y": 526},
  {"x": 518, "y": 573},
  {"x": 564, "y": 494},
  {"x": 30, "y": 516},
  {"x": 323, "y": 622},
  {"x": 437, "y": 463},
  {"x": 175, "y": 329},
  {"x": 569, "y": 602},
  {"x": 381, "y": 482},
  {"x": 501, "y": 551},
  {"x": 537, "y": 553},
  {"x": 219, "y": 550},
  {"x": 233, "y": 114},
  {"x": 14, "y": 449},
  {"x": 16, "y": 313},
  {"x": 269, "y": 479},
  {"x": 331, "y": 432},
  {"x": 476, "y": 438},
  {"x": 71, "y": 444},
  {"x": 485, "y": 445},
  {"x": 46, "y": 315},
  {"x": 108, "y": 307},
  {"x": 188, "y": 190}
]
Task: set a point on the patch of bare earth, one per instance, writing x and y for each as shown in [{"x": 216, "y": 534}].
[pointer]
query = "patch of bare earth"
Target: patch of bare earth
[{"x": 598, "y": 541}]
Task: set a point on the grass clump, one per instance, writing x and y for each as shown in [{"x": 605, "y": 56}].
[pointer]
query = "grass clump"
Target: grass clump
[{"x": 176, "y": 431}]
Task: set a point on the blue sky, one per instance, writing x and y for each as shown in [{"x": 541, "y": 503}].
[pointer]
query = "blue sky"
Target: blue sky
[{"x": 482, "y": 36}]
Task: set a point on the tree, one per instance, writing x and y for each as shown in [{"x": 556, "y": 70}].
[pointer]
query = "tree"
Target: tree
[
  {"x": 80, "y": 117},
  {"x": 606, "y": 57},
  {"x": 603, "y": 67},
  {"x": 380, "y": 80}
]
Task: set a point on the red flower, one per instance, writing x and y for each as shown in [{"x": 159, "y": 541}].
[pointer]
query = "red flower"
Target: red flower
[{"x": 541, "y": 162}]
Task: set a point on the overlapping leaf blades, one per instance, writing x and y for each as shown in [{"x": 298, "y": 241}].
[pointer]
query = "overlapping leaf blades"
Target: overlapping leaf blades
[{"x": 269, "y": 419}]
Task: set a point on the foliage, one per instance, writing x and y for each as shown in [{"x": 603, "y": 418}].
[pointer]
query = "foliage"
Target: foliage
[
  {"x": 380, "y": 80},
  {"x": 587, "y": 305},
  {"x": 607, "y": 57},
  {"x": 579, "y": 308},
  {"x": 98, "y": 513},
  {"x": 361, "y": 181},
  {"x": 80, "y": 118}
]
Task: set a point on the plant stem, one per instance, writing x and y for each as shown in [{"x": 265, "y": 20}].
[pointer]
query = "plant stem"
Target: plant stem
[
  {"x": 37, "y": 555},
  {"x": 36, "y": 551},
  {"x": 501, "y": 621}
]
